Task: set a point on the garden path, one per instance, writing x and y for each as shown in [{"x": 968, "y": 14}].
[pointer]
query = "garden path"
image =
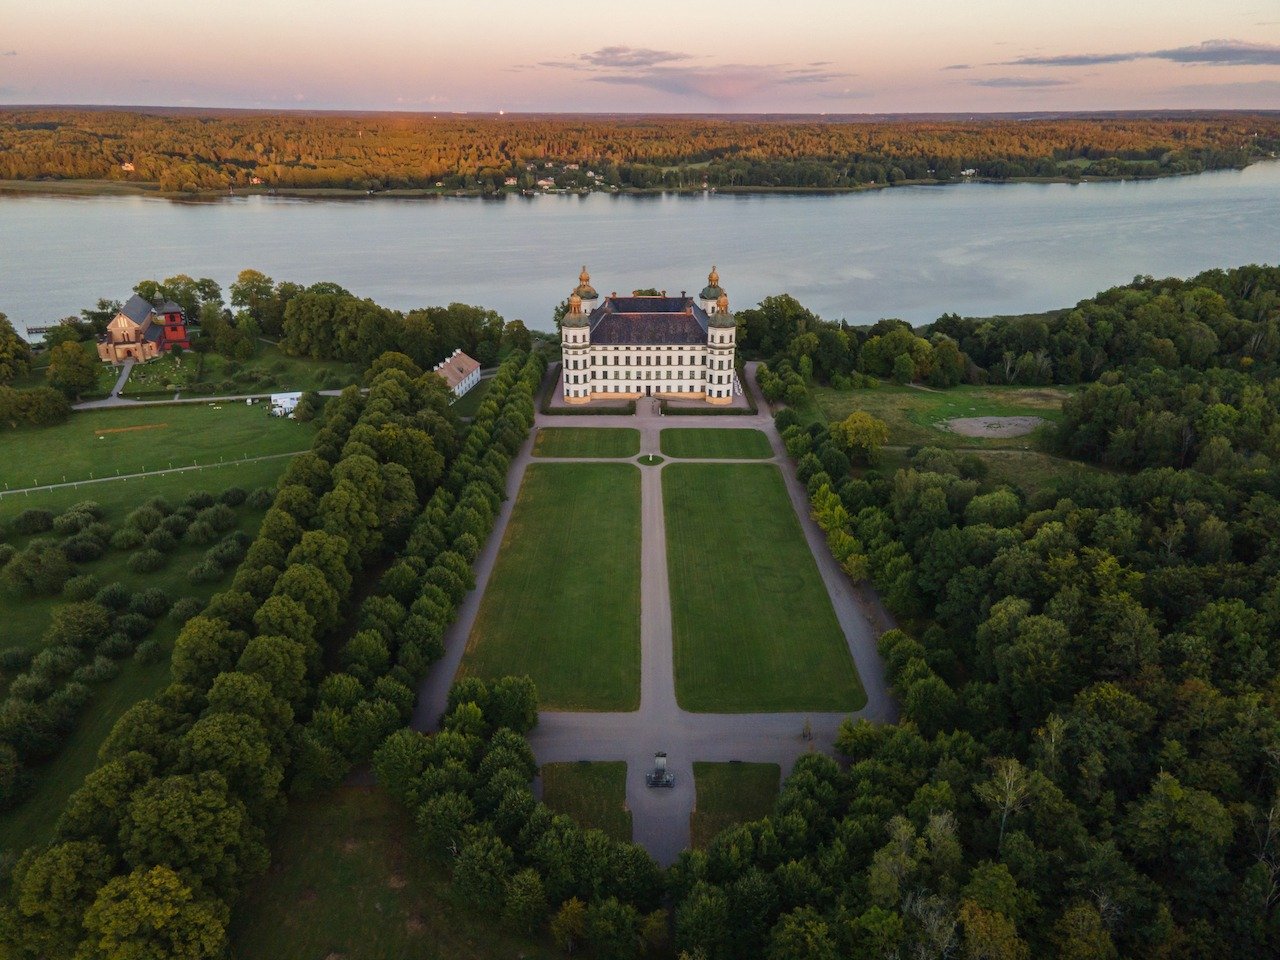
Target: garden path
[{"x": 660, "y": 818}]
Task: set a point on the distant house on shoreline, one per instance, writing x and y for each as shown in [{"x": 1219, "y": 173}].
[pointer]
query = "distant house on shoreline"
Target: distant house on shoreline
[
  {"x": 460, "y": 372},
  {"x": 143, "y": 330}
]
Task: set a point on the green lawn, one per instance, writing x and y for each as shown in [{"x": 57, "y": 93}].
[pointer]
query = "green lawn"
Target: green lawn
[
  {"x": 118, "y": 497},
  {"x": 730, "y": 793},
  {"x": 347, "y": 883},
  {"x": 586, "y": 442},
  {"x": 916, "y": 416},
  {"x": 753, "y": 626},
  {"x": 710, "y": 443},
  {"x": 563, "y": 604},
  {"x": 469, "y": 402},
  {"x": 100, "y": 443},
  {"x": 269, "y": 369},
  {"x": 593, "y": 794}
]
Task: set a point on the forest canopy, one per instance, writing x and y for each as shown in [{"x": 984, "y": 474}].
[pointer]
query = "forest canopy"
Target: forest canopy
[{"x": 192, "y": 151}]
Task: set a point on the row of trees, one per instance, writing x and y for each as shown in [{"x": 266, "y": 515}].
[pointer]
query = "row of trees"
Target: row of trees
[
  {"x": 160, "y": 840},
  {"x": 212, "y": 151}
]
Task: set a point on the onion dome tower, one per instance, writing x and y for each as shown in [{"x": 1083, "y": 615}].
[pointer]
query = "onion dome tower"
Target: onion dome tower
[
  {"x": 712, "y": 292},
  {"x": 575, "y": 346},
  {"x": 585, "y": 290},
  {"x": 722, "y": 331}
]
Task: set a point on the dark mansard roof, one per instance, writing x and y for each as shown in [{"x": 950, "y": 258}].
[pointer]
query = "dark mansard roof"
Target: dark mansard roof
[{"x": 648, "y": 320}]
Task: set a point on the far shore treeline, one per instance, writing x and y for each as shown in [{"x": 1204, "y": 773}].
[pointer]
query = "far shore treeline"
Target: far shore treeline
[{"x": 210, "y": 151}]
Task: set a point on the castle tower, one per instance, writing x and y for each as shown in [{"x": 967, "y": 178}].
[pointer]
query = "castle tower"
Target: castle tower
[
  {"x": 575, "y": 344},
  {"x": 721, "y": 336},
  {"x": 710, "y": 296}
]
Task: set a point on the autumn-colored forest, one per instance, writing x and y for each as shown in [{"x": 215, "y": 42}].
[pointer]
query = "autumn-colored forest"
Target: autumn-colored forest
[{"x": 195, "y": 151}]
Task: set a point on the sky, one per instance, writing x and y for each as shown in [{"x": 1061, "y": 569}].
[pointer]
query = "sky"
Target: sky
[{"x": 721, "y": 56}]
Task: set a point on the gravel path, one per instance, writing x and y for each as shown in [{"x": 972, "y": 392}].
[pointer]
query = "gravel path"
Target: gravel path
[{"x": 660, "y": 818}]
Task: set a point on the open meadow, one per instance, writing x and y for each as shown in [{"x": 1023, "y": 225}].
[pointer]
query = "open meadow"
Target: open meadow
[
  {"x": 730, "y": 793},
  {"x": 917, "y": 416},
  {"x": 347, "y": 881},
  {"x": 563, "y": 603},
  {"x": 593, "y": 794},
  {"x": 753, "y": 627},
  {"x": 102, "y": 443}
]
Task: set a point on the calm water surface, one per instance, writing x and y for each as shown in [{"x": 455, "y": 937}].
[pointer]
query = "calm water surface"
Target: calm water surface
[{"x": 913, "y": 252}]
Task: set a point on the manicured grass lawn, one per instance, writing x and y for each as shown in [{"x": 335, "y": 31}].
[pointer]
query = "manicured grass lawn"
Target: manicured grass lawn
[
  {"x": 99, "y": 443},
  {"x": 711, "y": 443},
  {"x": 347, "y": 882},
  {"x": 586, "y": 442},
  {"x": 118, "y": 497},
  {"x": 563, "y": 604},
  {"x": 593, "y": 794},
  {"x": 753, "y": 626},
  {"x": 730, "y": 793},
  {"x": 469, "y": 402},
  {"x": 915, "y": 416}
]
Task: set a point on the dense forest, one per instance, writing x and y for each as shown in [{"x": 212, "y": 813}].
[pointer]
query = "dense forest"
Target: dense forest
[
  {"x": 1087, "y": 763},
  {"x": 193, "y": 151}
]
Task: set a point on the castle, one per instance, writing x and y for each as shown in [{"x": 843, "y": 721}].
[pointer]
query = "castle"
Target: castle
[{"x": 627, "y": 347}]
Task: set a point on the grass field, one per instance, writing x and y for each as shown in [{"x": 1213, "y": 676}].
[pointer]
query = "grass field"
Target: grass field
[
  {"x": 753, "y": 626},
  {"x": 118, "y": 497},
  {"x": 593, "y": 794},
  {"x": 210, "y": 373},
  {"x": 711, "y": 443},
  {"x": 915, "y": 416},
  {"x": 563, "y": 604},
  {"x": 586, "y": 442},
  {"x": 346, "y": 883},
  {"x": 469, "y": 402},
  {"x": 99, "y": 443},
  {"x": 730, "y": 793}
]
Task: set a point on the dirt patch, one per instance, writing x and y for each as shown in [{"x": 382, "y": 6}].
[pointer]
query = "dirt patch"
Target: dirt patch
[
  {"x": 415, "y": 925},
  {"x": 992, "y": 427},
  {"x": 350, "y": 846},
  {"x": 141, "y": 426},
  {"x": 397, "y": 882}
]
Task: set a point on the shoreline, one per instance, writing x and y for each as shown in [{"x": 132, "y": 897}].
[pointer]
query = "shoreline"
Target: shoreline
[{"x": 128, "y": 188}]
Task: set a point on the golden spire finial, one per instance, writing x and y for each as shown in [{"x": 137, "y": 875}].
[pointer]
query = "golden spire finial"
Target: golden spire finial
[
  {"x": 584, "y": 277},
  {"x": 575, "y": 303},
  {"x": 713, "y": 277},
  {"x": 722, "y": 302}
]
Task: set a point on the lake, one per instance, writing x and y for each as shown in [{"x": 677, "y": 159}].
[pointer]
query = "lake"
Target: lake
[{"x": 910, "y": 252}]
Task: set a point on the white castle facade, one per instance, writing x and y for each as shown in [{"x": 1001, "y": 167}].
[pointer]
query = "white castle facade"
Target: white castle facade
[{"x": 634, "y": 346}]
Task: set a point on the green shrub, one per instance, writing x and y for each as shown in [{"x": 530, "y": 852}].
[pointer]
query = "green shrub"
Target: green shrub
[
  {"x": 261, "y": 498},
  {"x": 200, "y": 533},
  {"x": 32, "y": 521},
  {"x": 198, "y": 499},
  {"x": 159, "y": 540},
  {"x": 150, "y": 650},
  {"x": 114, "y": 596},
  {"x": 206, "y": 571},
  {"x": 127, "y": 538},
  {"x": 82, "y": 587},
  {"x": 233, "y": 496},
  {"x": 146, "y": 561},
  {"x": 185, "y": 608},
  {"x": 151, "y": 602}
]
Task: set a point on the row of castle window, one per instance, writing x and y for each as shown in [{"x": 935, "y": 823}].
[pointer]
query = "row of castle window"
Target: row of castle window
[
  {"x": 678, "y": 388},
  {"x": 626, "y": 375},
  {"x": 605, "y": 360}
]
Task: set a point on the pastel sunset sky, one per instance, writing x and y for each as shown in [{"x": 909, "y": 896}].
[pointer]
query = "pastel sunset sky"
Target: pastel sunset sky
[{"x": 833, "y": 56}]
